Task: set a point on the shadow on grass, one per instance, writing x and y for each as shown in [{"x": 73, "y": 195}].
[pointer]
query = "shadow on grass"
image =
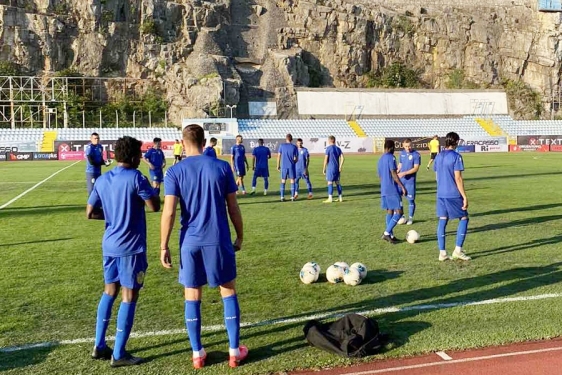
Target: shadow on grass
[
  {"x": 523, "y": 246},
  {"x": 23, "y": 358},
  {"x": 33, "y": 242},
  {"x": 517, "y": 209},
  {"x": 43, "y": 210}
]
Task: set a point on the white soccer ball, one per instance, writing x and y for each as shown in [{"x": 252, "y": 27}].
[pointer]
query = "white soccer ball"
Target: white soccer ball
[
  {"x": 361, "y": 268},
  {"x": 309, "y": 275},
  {"x": 343, "y": 265},
  {"x": 315, "y": 265},
  {"x": 402, "y": 220},
  {"x": 352, "y": 277},
  {"x": 335, "y": 274},
  {"x": 412, "y": 236}
]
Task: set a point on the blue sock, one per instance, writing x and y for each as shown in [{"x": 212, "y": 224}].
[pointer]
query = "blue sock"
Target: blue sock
[
  {"x": 441, "y": 233},
  {"x": 125, "y": 320},
  {"x": 308, "y": 185},
  {"x": 461, "y": 232},
  {"x": 242, "y": 186},
  {"x": 232, "y": 320},
  {"x": 254, "y": 181},
  {"x": 388, "y": 218},
  {"x": 104, "y": 314},
  {"x": 193, "y": 323},
  {"x": 340, "y": 189},
  {"x": 266, "y": 183},
  {"x": 330, "y": 190},
  {"x": 297, "y": 185},
  {"x": 411, "y": 208},
  {"x": 282, "y": 189},
  {"x": 393, "y": 222},
  {"x": 293, "y": 189}
]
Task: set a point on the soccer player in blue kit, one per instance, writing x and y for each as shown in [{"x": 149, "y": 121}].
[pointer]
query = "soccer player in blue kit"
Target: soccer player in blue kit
[
  {"x": 333, "y": 163},
  {"x": 238, "y": 162},
  {"x": 94, "y": 161},
  {"x": 391, "y": 190},
  {"x": 210, "y": 150},
  {"x": 156, "y": 161},
  {"x": 206, "y": 190},
  {"x": 452, "y": 202},
  {"x": 302, "y": 169},
  {"x": 287, "y": 158},
  {"x": 408, "y": 167},
  {"x": 123, "y": 192},
  {"x": 260, "y": 165}
]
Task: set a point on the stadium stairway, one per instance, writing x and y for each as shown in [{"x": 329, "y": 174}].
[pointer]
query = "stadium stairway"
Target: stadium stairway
[
  {"x": 48, "y": 143},
  {"x": 491, "y": 127},
  {"x": 357, "y": 129}
]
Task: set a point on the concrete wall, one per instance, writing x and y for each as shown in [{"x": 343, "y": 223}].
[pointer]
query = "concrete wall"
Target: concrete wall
[{"x": 401, "y": 103}]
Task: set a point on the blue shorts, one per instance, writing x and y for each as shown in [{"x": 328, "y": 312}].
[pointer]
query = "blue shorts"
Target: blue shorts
[
  {"x": 332, "y": 176},
  {"x": 411, "y": 191},
  {"x": 129, "y": 271},
  {"x": 240, "y": 171},
  {"x": 90, "y": 181},
  {"x": 391, "y": 202},
  {"x": 300, "y": 174},
  {"x": 156, "y": 175},
  {"x": 214, "y": 265},
  {"x": 288, "y": 173},
  {"x": 261, "y": 172},
  {"x": 450, "y": 208}
]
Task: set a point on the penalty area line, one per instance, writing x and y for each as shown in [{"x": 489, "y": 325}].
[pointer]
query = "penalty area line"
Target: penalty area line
[
  {"x": 300, "y": 319},
  {"x": 37, "y": 185}
]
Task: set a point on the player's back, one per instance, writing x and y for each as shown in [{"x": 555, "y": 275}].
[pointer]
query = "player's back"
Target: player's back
[
  {"x": 262, "y": 154},
  {"x": 289, "y": 152},
  {"x": 446, "y": 163},
  {"x": 385, "y": 166},
  {"x": 334, "y": 153},
  {"x": 124, "y": 209},
  {"x": 210, "y": 151},
  {"x": 202, "y": 185}
]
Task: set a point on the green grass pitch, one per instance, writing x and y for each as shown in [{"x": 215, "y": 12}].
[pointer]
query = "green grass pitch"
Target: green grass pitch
[{"x": 51, "y": 277}]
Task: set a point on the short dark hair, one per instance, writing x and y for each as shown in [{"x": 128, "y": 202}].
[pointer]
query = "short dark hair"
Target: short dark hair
[
  {"x": 389, "y": 145},
  {"x": 157, "y": 140},
  {"x": 94, "y": 134},
  {"x": 126, "y": 149},
  {"x": 289, "y": 137},
  {"x": 407, "y": 140},
  {"x": 260, "y": 141},
  {"x": 452, "y": 139},
  {"x": 332, "y": 138},
  {"x": 213, "y": 140},
  {"x": 193, "y": 134},
  {"x": 299, "y": 140},
  {"x": 177, "y": 140}
]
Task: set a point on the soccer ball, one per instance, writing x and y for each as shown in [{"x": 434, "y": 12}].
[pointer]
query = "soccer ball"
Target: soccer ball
[
  {"x": 361, "y": 268},
  {"x": 313, "y": 265},
  {"x": 334, "y": 274},
  {"x": 352, "y": 277},
  {"x": 402, "y": 220},
  {"x": 343, "y": 265},
  {"x": 412, "y": 236},
  {"x": 309, "y": 275}
]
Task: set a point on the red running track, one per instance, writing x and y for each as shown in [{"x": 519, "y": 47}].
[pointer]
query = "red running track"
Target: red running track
[{"x": 530, "y": 358}]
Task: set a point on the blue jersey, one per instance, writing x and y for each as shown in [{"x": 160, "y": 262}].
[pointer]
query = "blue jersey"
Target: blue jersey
[
  {"x": 156, "y": 157},
  {"x": 408, "y": 160},
  {"x": 239, "y": 153},
  {"x": 122, "y": 192},
  {"x": 334, "y": 153},
  {"x": 289, "y": 152},
  {"x": 210, "y": 151},
  {"x": 262, "y": 155},
  {"x": 446, "y": 163},
  {"x": 96, "y": 152},
  {"x": 386, "y": 165},
  {"x": 303, "y": 159},
  {"x": 202, "y": 185}
]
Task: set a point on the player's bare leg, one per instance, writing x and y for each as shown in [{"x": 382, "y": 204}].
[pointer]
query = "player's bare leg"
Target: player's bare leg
[{"x": 282, "y": 190}]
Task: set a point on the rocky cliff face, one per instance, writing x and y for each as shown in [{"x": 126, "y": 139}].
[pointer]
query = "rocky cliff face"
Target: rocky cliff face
[{"x": 203, "y": 53}]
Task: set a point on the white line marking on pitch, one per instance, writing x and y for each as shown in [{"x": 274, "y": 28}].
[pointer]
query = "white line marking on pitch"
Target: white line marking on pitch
[
  {"x": 36, "y": 185},
  {"x": 464, "y": 360},
  {"x": 300, "y": 319},
  {"x": 444, "y": 356}
]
